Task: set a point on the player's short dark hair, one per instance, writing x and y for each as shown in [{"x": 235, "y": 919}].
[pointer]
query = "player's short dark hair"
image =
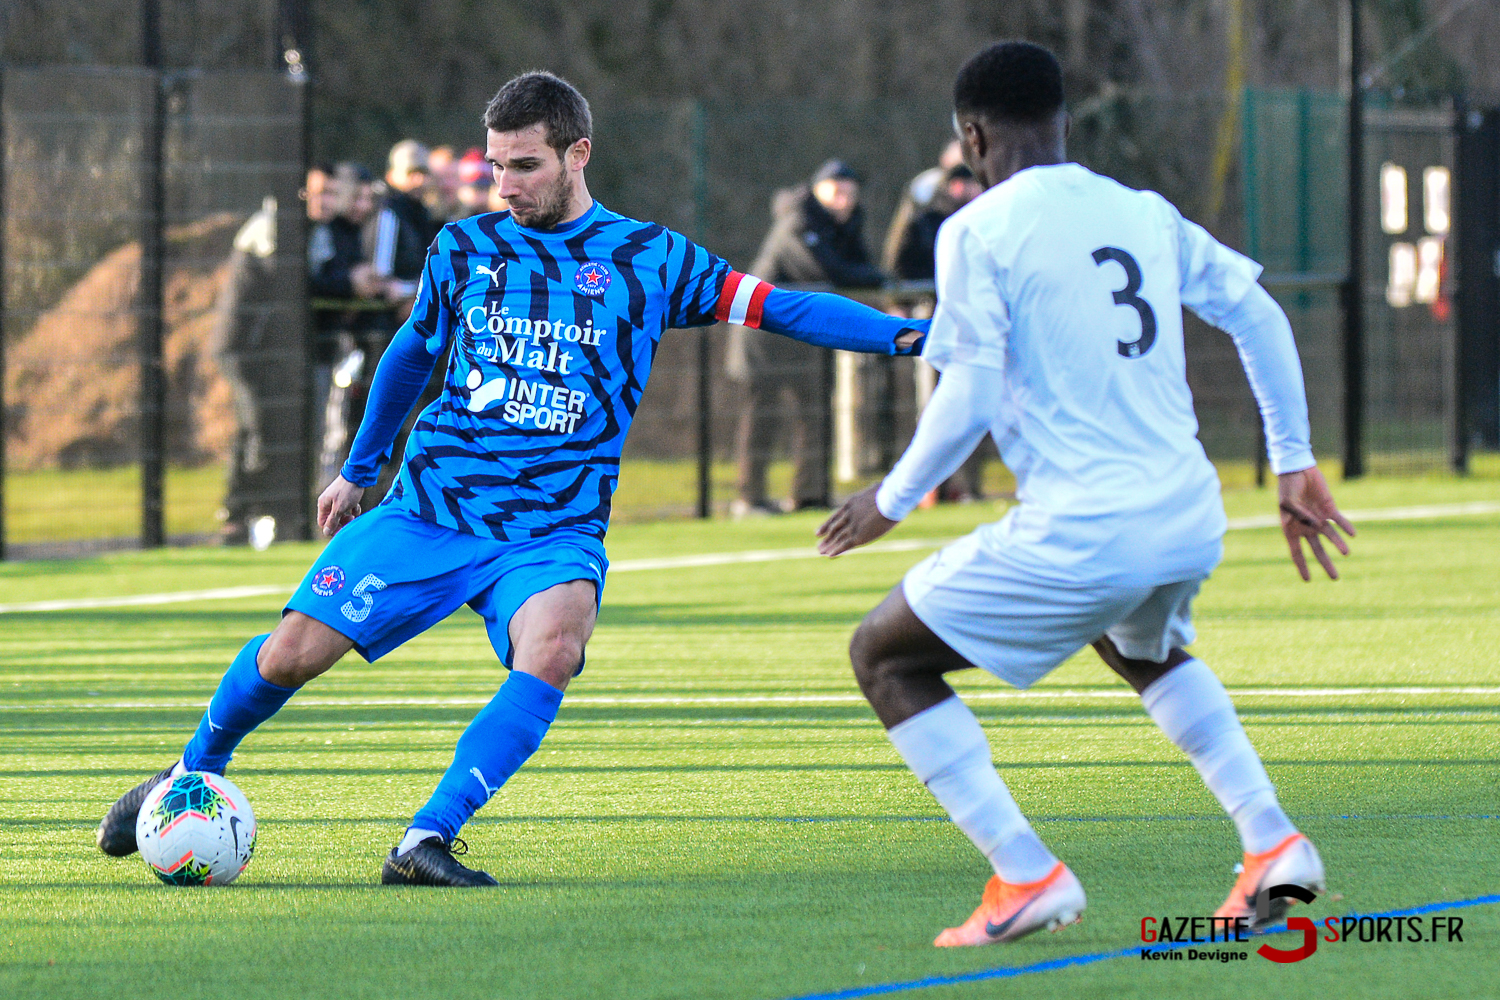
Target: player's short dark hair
[
  {"x": 1010, "y": 81},
  {"x": 542, "y": 98}
]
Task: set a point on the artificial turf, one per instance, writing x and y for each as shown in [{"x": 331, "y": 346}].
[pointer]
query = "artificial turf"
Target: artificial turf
[{"x": 716, "y": 815}]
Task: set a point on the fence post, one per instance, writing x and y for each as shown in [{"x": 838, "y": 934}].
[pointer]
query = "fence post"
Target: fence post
[
  {"x": 3, "y": 230},
  {"x": 1250, "y": 173},
  {"x": 149, "y": 336},
  {"x": 1354, "y": 285},
  {"x": 698, "y": 126},
  {"x": 294, "y": 58},
  {"x": 1458, "y": 359}
]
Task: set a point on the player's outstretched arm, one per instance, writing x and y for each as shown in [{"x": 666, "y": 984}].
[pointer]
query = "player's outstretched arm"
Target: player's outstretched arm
[
  {"x": 963, "y": 408},
  {"x": 824, "y": 319},
  {"x": 1309, "y": 514}
]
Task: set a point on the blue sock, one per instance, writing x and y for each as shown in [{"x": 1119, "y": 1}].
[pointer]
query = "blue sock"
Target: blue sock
[
  {"x": 243, "y": 701},
  {"x": 502, "y": 736}
]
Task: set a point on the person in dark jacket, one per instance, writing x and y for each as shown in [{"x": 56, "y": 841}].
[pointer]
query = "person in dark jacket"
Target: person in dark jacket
[
  {"x": 912, "y": 240},
  {"x": 339, "y": 270},
  {"x": 909, "y": 254},
  {"x": 404, "y": 229},
  {"x": 817, "y": 235}
]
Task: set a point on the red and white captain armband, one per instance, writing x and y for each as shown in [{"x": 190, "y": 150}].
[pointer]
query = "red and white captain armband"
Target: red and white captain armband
[{"x": 743, "y": 300}]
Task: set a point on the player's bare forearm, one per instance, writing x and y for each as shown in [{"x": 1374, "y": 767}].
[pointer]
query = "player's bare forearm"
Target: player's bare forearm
[
  {"x": 858, "y": 522},
  {"x": 338, "y": 505},
  {"x": 1309, "y": 514}
]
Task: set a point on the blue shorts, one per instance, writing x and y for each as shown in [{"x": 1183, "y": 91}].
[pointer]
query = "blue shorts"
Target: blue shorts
[{"x": 388, "y": 576}]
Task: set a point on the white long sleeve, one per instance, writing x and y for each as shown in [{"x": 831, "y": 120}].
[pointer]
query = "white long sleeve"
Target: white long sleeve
[
  {"x": 1263, "y": 336},
  {"x": 963, "y": 408}
]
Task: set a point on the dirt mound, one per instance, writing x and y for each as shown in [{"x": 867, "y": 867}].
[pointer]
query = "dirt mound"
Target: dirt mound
[{"x": 72, "y": 383}]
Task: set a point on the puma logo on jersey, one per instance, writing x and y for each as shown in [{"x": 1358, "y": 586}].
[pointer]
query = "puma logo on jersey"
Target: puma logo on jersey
[{"x": 492, "y": 273}]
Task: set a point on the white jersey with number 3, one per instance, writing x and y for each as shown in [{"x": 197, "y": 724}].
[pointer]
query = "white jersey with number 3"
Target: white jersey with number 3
[{"x": 1069, "y": 286}]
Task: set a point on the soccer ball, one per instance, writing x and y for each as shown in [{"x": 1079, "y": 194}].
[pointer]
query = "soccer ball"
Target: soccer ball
[{"x": 196, "y": 829}]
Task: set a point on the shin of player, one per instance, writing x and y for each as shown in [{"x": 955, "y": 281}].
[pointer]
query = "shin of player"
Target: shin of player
[
  {"x": 548, "y": 635},
  {"x": 899, "y": 664}
]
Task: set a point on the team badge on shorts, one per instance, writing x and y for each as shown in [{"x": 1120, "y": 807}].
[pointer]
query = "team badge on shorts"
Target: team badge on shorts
[
  {"x": 592, "y": 278},
  {"x": 328, "y": 581}
]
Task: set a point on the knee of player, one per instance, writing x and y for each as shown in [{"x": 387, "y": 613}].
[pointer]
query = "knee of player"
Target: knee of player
[
  {"x": 558, "y": 651},
  {"x": 865, "y": 648},
  {"x": 298, "y": 650}
]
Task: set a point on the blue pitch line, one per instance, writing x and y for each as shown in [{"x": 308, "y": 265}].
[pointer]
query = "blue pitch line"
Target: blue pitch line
[{"x": 1010, "y": 972}]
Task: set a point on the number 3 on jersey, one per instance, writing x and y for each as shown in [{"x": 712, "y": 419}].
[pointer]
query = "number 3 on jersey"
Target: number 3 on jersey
[{"x": 1127, "y": 297}]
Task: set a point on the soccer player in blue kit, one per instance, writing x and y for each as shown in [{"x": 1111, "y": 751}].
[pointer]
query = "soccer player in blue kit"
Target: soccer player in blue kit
[{"x": 554, "y": 311}]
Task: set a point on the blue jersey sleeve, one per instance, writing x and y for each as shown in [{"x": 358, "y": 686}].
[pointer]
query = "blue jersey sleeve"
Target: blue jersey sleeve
[
  {"x": 694, "y": 279},
  {"x": 403, "y": 371},
  {"x": 703, "y": 289}
]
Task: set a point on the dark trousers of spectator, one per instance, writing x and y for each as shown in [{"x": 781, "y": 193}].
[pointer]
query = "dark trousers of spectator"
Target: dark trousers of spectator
[
  {"x": 247, "y": 459},
  {"x": 786, "y": 387}
]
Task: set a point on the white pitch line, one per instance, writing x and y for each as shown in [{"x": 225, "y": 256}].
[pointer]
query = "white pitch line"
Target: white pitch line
[
  {"x": 1431, "y": 511},
  {"x": 1046, "y": 694},
  {"x": 142, "y": 600}
]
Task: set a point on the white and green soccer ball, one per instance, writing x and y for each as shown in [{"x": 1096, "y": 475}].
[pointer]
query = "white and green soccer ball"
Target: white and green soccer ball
[{"x": 196, "y": 829}]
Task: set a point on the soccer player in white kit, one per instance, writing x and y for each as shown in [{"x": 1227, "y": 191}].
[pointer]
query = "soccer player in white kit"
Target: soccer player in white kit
[{"x": 1059, "y": 331}]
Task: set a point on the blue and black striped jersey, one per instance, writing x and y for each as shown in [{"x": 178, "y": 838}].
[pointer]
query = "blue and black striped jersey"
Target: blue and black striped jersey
[{"x": 553, "y": 335}]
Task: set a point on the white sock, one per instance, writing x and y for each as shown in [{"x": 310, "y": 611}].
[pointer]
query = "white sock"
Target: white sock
[
  {"x": 947, "y": 750},
  {"x": 414, "y": 836},
  {"x": 1194, "y": 711}
]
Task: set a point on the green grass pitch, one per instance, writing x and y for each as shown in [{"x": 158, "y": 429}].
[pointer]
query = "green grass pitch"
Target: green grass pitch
[{"x": 715, "y": 814}]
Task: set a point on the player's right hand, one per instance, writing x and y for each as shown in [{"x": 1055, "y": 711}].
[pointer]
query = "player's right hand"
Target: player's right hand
[
  {"x": 338, "y": 505},
  {"x": 858, "y": 522},
  {"x": 1309, "y": 513}
]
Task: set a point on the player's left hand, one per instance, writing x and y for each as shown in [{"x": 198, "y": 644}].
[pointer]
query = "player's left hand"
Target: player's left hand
[
  {"x": 858, "y": 522},
  {"x": 1309, "y": 514}
]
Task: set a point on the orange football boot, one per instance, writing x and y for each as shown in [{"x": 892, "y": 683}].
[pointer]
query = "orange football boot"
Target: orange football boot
[
  {"x": 1009, "y": 911},
  {"x": 1294, "y": 861}
]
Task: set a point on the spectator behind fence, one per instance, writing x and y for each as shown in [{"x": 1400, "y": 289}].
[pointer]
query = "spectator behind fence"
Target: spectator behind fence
[
  {"x": 404, "y": 228},
  {"x": 440, "y": 196},
  {"x": 474, "y": 183},
  {"x": 401, "y": 234},
  {"x": 912, "y": 239},
  {"x": 339, "y": 269},
  {"x": 242, "y": 315},
  {"x": 930, "y": 198},
  {"x": 816, "y": 236}
]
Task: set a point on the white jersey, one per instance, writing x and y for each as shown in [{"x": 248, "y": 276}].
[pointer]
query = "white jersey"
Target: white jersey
[{"x": 1067, "y": 289}]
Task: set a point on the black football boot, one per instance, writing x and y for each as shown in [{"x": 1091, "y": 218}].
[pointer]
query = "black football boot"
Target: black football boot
[
  {"x": 432, "y": 863},
  {"x": 116, "y": 833}
]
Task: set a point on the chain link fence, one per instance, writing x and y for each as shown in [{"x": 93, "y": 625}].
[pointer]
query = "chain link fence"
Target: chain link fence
[{"x": 76, "y": 317}]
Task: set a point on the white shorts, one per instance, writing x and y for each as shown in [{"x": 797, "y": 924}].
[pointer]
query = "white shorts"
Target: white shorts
[{"x": 1020, "y": 626}]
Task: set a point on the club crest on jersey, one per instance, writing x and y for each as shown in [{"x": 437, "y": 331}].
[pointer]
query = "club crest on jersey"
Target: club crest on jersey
[
  {"x": 328, "y": 581},
  {"x": 591, "y": 278}
]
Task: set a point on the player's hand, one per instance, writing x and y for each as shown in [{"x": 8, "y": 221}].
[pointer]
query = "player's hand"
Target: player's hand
[
  {"x": 858, "y": 522},
  {"x": 338, "y": 505},
  {"x": 1307, "y": 508}
]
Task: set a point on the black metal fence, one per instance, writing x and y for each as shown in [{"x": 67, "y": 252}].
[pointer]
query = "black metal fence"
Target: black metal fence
[{"x": 148, "y": 351}]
